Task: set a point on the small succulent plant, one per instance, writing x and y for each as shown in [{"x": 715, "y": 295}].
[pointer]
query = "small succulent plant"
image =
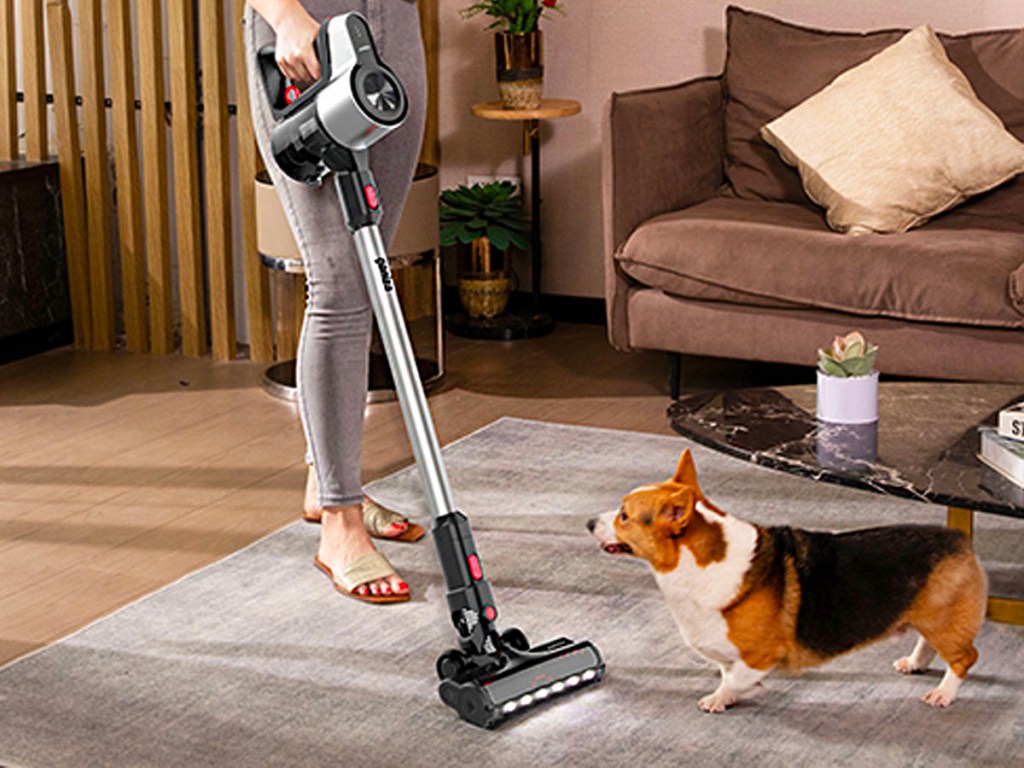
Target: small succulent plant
[{"x": 850, "y": 355}]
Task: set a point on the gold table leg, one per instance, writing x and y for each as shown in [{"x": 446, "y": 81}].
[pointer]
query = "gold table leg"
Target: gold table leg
[
  {"x": 531, "y": 130},
  {"x": 1002, "y": 609}
]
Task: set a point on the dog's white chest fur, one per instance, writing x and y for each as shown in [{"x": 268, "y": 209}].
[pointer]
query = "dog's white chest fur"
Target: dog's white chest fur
[{"x": 696, "y": 595}]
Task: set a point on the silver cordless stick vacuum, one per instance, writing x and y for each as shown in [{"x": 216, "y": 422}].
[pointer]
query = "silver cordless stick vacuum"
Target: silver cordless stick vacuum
[{"x": 324, "y": 131}]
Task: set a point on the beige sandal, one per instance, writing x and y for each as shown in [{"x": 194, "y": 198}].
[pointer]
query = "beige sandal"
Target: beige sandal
[
  {"x": 376, "y": 519},
  {"x": 372, "y": 566}
]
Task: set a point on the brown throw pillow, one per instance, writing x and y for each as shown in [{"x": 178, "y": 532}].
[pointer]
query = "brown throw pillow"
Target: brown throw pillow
[
  {"x": 772, "y": 66},
  {"x": 895, "y": 140}
]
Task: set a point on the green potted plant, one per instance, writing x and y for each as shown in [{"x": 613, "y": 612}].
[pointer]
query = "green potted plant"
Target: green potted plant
[
  {"x": 518, "y": 47},
  {"x": 848, "y": 381},
  {"x": 488, "y": 219}
]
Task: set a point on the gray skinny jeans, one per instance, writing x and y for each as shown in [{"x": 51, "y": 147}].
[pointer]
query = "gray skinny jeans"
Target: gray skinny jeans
[{"x": 332, "y": 365}]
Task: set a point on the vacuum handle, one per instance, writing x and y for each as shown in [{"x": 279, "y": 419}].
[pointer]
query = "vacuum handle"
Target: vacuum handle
[
  {"x": 286, "y": 97},
  {"x": 361, "y": 204}
]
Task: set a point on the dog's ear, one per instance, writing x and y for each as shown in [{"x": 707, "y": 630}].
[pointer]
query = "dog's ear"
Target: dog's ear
[
  {"x": 678, "y": 510},
  {"x": 686, "y": 472}
]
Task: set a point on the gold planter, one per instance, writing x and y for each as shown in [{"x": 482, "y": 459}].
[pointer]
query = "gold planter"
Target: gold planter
[
  {"x": 484, "y": 294},
  {"x": 483, "y": 284},
  {"x": 520, "y": 68}
]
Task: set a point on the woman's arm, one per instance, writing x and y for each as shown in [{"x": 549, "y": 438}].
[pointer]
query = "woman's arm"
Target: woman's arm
[{"x": 296, "y": 30}]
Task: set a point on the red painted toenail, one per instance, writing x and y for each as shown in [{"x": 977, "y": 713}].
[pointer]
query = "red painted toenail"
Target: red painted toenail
[{"x": 402, "y": 585}]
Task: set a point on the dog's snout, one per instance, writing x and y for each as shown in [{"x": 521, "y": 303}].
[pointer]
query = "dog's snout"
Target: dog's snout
[{"x": 592, "y": 524}]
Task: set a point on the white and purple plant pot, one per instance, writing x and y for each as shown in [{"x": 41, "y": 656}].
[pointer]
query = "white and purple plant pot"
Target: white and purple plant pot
[{"x": 852, "y": 400}]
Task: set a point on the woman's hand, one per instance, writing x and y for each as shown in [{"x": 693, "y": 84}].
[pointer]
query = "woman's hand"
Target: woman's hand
[{"x": 296, "y": 32}]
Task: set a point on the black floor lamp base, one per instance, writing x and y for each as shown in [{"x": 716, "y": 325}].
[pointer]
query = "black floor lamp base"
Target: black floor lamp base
[{"x": 521, "y": 324}]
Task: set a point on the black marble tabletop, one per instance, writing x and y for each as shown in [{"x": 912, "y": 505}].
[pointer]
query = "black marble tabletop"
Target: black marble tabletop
[{"x": 923, "y": 447}]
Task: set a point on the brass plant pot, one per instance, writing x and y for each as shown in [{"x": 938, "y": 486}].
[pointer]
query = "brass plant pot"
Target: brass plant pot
[
  {"x": 484, "y": 295},
  {"x": 483, "y": 284},
  {"x": 520, "y": 60}
]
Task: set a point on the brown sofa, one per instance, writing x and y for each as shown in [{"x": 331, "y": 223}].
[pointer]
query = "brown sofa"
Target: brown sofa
[{"x": 712, "y": 248}]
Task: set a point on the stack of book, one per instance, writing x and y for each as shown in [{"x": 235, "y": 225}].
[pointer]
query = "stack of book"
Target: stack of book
[{"x": 1002, "y": 447}]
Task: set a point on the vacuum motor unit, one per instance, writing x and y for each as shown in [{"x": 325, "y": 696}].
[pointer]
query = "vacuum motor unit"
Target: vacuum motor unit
[{"x": 355, "y": 103}]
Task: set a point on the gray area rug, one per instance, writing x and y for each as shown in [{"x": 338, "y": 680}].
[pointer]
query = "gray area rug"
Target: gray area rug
[{"x": 256, "y": 661}]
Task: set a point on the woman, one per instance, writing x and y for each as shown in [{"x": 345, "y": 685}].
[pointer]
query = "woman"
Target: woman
[{"x": 331, "y": 369}]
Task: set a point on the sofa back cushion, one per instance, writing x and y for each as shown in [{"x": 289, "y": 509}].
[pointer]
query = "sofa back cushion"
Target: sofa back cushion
[
  {"x": 896, "y": 140},
  {"x": 772, "y": 66}
]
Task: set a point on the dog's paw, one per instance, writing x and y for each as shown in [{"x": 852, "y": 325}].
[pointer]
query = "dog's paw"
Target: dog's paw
[
  {"x": 938, "y": 698},
  {"x": 906, "y": 666},
  {"x": 716, "y": 702}
]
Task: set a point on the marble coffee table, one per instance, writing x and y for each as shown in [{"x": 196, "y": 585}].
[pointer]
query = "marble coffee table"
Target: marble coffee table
[{"x": 923, "y": 447}]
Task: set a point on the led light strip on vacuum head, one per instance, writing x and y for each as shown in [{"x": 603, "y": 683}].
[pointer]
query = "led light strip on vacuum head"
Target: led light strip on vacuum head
[{"x": 559, "y": 686}]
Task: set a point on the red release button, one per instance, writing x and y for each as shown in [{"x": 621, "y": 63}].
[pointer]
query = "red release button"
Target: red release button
[
  {"x": 474, "y": 567},
  {"x": 490, "y": 613},
  {"x": 291, "y": 93},
  {"x": 371, "y": 196}
]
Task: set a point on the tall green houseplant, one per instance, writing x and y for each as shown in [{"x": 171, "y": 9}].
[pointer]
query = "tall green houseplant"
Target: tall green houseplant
[
  {"x": 489, "y": 219},
  {"x": 491, "y": 211}
]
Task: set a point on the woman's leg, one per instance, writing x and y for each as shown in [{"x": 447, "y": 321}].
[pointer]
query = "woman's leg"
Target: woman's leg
[{"x": 332, "y": 363}]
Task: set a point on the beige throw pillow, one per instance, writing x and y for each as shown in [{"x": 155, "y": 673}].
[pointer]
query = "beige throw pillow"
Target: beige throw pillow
[{"x": 895, "y": 140}]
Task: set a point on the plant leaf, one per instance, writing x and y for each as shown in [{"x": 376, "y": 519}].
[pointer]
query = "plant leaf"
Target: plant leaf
[
  {"x": 518, "y": 240},
  {"x": 499, "y": 237},
  {"x": 858, "y": 366},
  {"x": 831, "y": 367}
]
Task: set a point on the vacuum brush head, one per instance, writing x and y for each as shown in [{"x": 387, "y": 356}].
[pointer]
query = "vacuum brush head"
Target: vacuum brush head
[{"x": 488, "y": 691}]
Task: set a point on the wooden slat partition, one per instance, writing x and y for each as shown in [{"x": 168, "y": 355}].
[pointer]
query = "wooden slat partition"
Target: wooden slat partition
[
  {"x": 257, "y": 286},
  {"x": 97, "y": 173},
  {"x": 8, "y": 84},
  {"x": 33, "y": 75},
  {"x": 154, "y": 166},
  {"x": 431, "y": 151},
  {"x": 180, "y": 33},
  {"x": 129, "y": 200},
  {"x": 217, "y": 148},
  {"x": 202, "y": 190},
  {"x": 62, "y": 74}
]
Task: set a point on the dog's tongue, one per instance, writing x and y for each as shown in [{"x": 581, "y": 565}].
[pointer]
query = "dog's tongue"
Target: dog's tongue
[{"x": 616, "y": 548}]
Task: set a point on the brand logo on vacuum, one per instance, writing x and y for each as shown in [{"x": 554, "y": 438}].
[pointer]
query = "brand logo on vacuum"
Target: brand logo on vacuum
[{"x": 385, "y": 273}]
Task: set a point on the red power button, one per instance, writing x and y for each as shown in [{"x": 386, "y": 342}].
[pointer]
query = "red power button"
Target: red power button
[
  {"x": 371, "y": 196},
  {"x": 474, "y": 567}
]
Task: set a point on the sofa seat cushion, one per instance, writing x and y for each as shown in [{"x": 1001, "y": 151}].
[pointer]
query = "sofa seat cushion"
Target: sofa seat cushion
[{"x": 960, "y": 269}]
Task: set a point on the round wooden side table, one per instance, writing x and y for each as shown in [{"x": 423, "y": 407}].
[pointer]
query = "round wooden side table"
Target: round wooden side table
[{"x": 531, "y": 322}]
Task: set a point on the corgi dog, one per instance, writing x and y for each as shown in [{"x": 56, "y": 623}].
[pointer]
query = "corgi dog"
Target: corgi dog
[{"x": 752, "y": 598}]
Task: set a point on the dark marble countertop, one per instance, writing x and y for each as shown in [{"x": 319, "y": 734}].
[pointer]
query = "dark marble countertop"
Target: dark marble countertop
[{"x": 923, "y": 447}]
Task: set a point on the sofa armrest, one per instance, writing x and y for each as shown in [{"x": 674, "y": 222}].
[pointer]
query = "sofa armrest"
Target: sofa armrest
[{"x": 663, "y": 149}]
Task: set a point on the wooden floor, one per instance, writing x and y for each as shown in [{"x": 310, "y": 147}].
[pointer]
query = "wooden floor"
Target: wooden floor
[{"x": 120, "y": 473}]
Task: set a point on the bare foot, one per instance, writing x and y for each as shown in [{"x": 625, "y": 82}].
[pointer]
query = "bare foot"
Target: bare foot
[
  {"x": 343, "y": 539},
  {"x": 311, "y": 508}
]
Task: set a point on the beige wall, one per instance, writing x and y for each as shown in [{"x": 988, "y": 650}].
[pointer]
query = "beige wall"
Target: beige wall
[{"x": 602, "y": 46}]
